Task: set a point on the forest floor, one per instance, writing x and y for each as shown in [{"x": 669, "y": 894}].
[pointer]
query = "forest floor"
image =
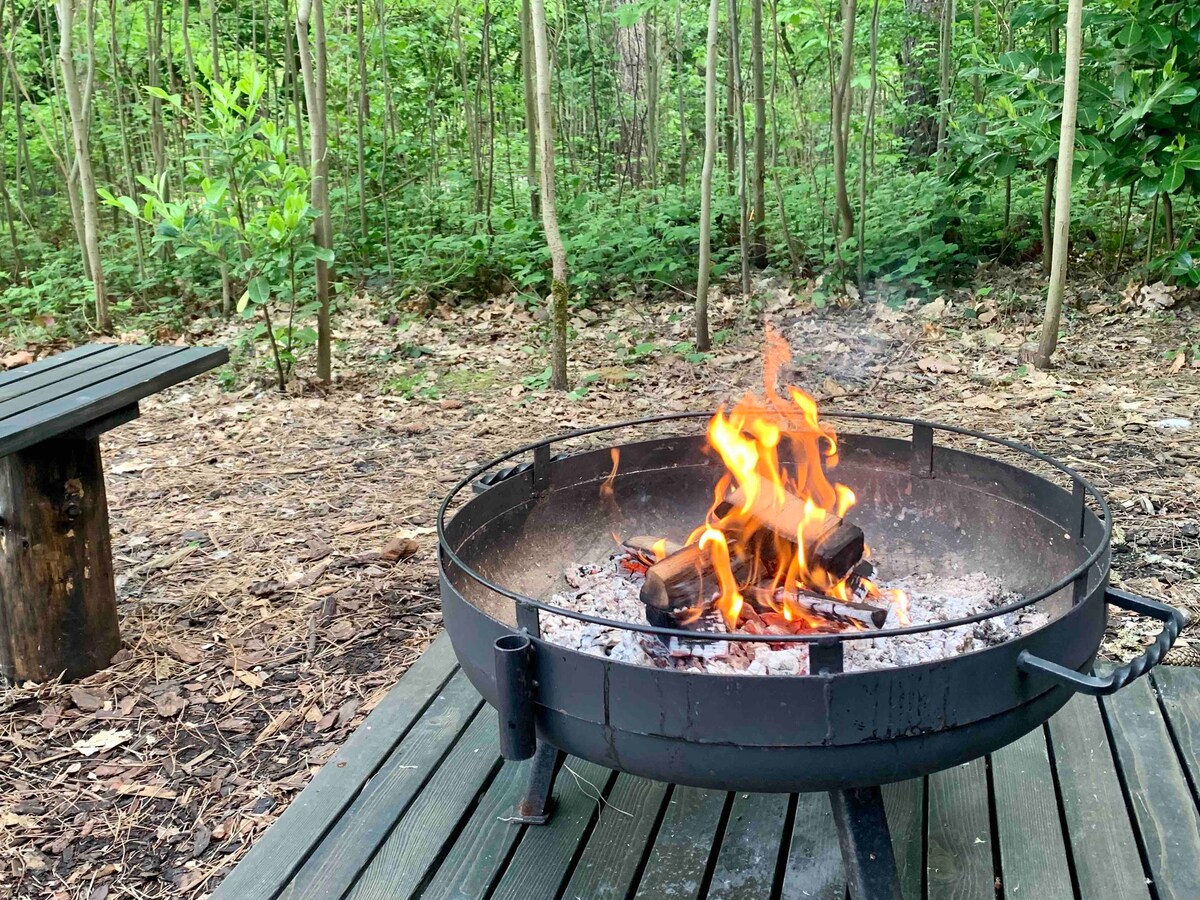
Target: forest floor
[{"x": 276, "y": 552}]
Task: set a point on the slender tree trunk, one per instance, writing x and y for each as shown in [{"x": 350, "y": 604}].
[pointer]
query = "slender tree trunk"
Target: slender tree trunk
[
  {"x": 840, "y": 137},
  {"x": 706, "y": 174},
  {"x": 1169, "y": 221},
  {"x": 388, "y": 131},
  {"x": 652, "y": 86},
  {"x": 630, "y": 43},
  {"x": 1124, "y": 230},
  {"x": 79, "y": 105},
  {"x": 680, "y": 83},
  {"x": 1047, "y": 215},
  {"x": 867, "y": 135},
  {"x": 758, "y": 86},
  {"x": 730, "y": 138},
  {"x": 739, "y": 125},
  {"x": 1062, "y": 203},
  {"x": 363, "y": 113},
  {"x": 123, "y": 126},
  {"x": 946, "y": 46},
  {"x": 310, "y": 17},
  {"x": 792, "y": 249},
  {"x": 531, "y": 115},
  {"x": 158, "y": 135},
  {"x": 559, "y": 291},
  {"x": 469, "y": 113}
]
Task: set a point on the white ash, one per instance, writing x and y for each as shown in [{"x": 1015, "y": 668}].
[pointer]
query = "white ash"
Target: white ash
[{"x": 610, "y": 591}]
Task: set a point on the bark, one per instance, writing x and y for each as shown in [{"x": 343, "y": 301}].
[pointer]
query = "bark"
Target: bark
[
  {"x": 706, "y": 173},
  {"x": 363, "y": 112},
  {"x": 867, "y": 136},
  {"x": 758, "y": 86},
  {"x": 630, "y": 43},
  {"x": 739, "y": 125},
  {"x": 80, "y": 108},
  {"x": 793, "y": 250},
  {"x": 680, "y": 81},
  {"x": 531, "y": 133},
  {"x": 123, "y": 126},
  {"x": 158, "y": 136},
  {"x": 469, "y": 116},
  {"x": 652, "y": 86},
  {"x": 841, "y": 92},
  {"x": 559, "y": 291},
  {"x": 310, "y": 31},
  {"x": 1062, "y": 202},
  {"x": 1047, "y": 215},
  {"x": 946, "y": 45}
]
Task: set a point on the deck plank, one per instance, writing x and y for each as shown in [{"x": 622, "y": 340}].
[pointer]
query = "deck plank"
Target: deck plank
[
  {"x": 617, "y": 845},
  {"x": 350, "y": 844},
  {"x": 1180, "y": 692},
  {"x": 814, "y": 868},
  {"x": 1033, "y": 852},
  {"x": 1166, "y": 814},
  {"x": 542, "y": 861},
  {"x": 467, "y": 870},
  {"x": 277, "y": 854},
  {"x": 684, "y": 845},
  {"x": 960, "y": 835},
  {"x": 749, "y": 853},
  {"x": 904, "y": 803},
  {"x": 1103, "y": 847},
  {"x": 414, "y": 846}
]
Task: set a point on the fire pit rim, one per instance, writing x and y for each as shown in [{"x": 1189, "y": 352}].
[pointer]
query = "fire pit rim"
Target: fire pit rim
[{"x": 1082, "y": 488}]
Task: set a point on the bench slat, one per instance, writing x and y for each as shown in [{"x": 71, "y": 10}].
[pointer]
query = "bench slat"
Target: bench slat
[
  {"x": 77, "y": 359},
  {"x": 683, "y": 846},
  {"x": 749, "y": 852},
  {"x": 80, "y": 375},
  {"x": 960, "y": 834},
  {"x": 814, "y": 868},
  {"x": 904, "y": 802},
  {"x": 90, "y": 400}
]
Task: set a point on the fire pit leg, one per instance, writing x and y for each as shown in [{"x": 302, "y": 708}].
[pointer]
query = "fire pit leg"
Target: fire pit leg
[
  {"x": 866, "y": 844},
  {"x": 535, "y": 806}
]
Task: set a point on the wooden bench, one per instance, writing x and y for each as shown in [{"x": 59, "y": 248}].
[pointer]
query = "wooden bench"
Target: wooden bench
[
  {"x": 1099, "y": 804},
  {"x": 58, "y": 610}
]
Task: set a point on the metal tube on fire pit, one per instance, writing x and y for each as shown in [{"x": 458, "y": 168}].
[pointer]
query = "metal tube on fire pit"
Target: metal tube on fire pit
[{"x": 514, "y": 696}]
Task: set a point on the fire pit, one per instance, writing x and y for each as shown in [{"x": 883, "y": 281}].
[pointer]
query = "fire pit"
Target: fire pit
[{"x": 925, "y": 508}]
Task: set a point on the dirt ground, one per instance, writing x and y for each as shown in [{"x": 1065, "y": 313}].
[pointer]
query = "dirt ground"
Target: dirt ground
[{"x": 276, "y": 552}]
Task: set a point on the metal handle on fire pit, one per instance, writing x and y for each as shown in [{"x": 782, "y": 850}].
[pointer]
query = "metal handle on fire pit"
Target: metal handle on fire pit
[{"x": 1173, "y": 621}]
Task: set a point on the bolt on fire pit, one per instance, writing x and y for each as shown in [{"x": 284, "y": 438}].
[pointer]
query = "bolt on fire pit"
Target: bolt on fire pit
[{"x": 924, "y": 506}]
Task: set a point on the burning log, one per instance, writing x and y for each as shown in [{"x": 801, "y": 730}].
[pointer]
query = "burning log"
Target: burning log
[
  {"x": 818, "y": 606},
  {"x": 650, "y": 549},
  {"x": 832, "y": 546},
  {"x": 687, "y": 576}
]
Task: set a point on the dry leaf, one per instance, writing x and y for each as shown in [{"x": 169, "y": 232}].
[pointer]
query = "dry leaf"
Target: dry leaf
[
  {"x": 250, "y": 679},
  {"x": 833, "y": 389},
  {"x": 938, "y": 365},
  {"x": 185, "y": 654},
  {"x": 102, "y": 741},
  {"x": 85, "y": 701},
  {"x": 399, "y": 548},
  {"x": 153, "y": 791},
  {"x": 985, "y": 401},
  {"x": 20, "y": 358},
  {"x": 341, "y": 630}
]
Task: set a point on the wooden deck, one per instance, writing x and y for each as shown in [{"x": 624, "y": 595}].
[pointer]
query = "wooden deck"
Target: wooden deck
[{"x": 1101, "y": 803}]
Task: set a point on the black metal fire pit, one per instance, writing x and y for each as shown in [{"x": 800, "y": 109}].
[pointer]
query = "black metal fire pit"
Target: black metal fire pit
[{"x": 925, "y": 507}]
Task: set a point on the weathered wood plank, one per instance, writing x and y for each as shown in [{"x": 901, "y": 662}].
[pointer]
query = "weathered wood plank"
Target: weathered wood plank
[
  {"x": 343, "y": 853},
  {"x": 749, "y": 853},
  {"x": 1165, "y": 811},
  {"x": 467, "y": 870},
  {"x": 90, "y": 372},
  {"x": 960, "y": 834},
  {"x": 814, "y": 868},
  {"x": 413, "y": 848},
  {"x": 95, "y": 401},
  {"x": 1180, "y": 692},
  {"x": 278, "y": 853},
  {"x": 904, "y": 803},
  {"x": 542, "y": 861},
  {"x": 1103, "y": 847},
  {"x": 617, "y": 844},
  {"x": 1033, "y": 852},
  {"x": 45, "y": 371},
  {"x": 683, "y": 846}
]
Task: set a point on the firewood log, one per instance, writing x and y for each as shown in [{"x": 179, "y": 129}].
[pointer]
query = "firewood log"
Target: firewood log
[
  {"x": 858, "y": 615},
  {"x": 687, "y": 577}
]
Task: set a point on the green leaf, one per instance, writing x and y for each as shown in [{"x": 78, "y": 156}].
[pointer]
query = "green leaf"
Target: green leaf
[
  {"x": 243, "y": 302},
  {"x": 324, "y": 254},
  {"x": 1173, "y": 177},
  {"x": 258, "y": 290},
  {"x": 1158, "y": 35},
  {"x": 1190, "y": 157}
]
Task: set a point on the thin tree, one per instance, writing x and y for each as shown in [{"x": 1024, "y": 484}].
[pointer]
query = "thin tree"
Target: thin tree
[
  {"x": 863, "y": 156},
  {"x": 531, "y": 161},
  {"x": 310, "y": 17},
  {"x": 1062, "y": 201},
  {"x": 363, "y": 112},
  {"x": 739, "y": 124},
  {"x": 558, "y": 253},
  {"x": 680, "y": 81},
  {"x": 945, "y": 49},
  {"x": 79, "y": 104},
  {"x": 706, "y": 173},
  {"x": 841, "y": 91},
  {"x": 758, "y": 86}
]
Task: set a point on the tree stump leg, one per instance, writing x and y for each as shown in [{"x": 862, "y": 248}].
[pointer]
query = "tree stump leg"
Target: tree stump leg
[{"x": 58, "y": 603}]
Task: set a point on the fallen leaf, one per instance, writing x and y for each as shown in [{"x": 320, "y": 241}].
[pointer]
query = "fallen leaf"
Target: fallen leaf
[
  {"x": 185, "y": 654},
  {"x": 938, "y": 365},
  {"x": 833, "y": 389},
  {"x": 399, "y": 548},
  {"x": 102, "y": 741},
  {"x": 934, "y": 309},
  {"x": 250, "y": 679},
  {"x": 20, "y": 358},
  {"x": 85, "y": 701},
  {"x": 153, "y": 791},
  {"x": 170, "y": 704},
  {"x": 342, "y": 630},
  {"x": 985, "y": 401}
]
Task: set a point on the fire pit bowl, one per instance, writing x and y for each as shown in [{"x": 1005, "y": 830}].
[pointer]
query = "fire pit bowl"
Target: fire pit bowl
[{"x": 926, "y": 507}]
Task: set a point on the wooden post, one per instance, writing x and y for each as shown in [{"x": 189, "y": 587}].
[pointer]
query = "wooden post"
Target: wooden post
[{"x": 58, "y": 606}]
